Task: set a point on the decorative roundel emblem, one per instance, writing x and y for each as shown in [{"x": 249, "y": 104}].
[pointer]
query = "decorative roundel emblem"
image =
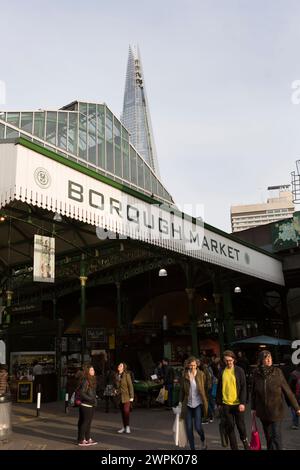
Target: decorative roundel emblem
[
  {"x": 42, "y": 178},
  {"x": 247, "y": 258}
]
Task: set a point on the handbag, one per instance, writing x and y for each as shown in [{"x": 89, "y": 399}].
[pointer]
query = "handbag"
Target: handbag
[
  {"x": 255, "y": 443},
  {"x": 161, "y": 396},
  {"x": 75, "y": 399}
]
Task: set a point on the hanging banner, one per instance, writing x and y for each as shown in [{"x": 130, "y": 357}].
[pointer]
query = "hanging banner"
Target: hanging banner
[{"x": 44, "y": 259}]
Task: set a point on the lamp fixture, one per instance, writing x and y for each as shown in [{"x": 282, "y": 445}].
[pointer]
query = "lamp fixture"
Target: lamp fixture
[
  {"x": 237, "y": 290},
  {"x": 57, "y": 217},
  {"x": 162, "y": 272}
]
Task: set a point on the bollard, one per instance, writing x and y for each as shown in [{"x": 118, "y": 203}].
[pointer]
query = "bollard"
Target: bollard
[
  {"x": 66, "y": 402},
  {"x": 38, "y": 404}
]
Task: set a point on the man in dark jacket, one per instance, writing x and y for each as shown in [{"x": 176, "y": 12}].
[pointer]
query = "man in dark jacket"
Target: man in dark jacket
[
  {"x": 231, "y": 398},
  {"x": 268, "y": 388}
]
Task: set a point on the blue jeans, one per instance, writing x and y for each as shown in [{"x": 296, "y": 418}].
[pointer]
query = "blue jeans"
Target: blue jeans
[
  {"x": 272, "y": 432},
  {"x": 295, "y": 417},
  {"x": 196, "y": 414}
]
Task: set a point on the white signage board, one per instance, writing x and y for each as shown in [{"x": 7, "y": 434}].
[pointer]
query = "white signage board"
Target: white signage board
[{"x": 42, "y": 181}]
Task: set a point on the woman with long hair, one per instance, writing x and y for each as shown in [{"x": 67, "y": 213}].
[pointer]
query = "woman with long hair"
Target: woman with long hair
[
  {"x": 87, "y": 406},
  {"x": 193, "y": 399},
  {"x": 125, "y": 393}
]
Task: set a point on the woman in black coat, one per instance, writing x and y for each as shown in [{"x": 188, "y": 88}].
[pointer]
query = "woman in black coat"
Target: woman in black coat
[
  {"x": 267, "y": 403},
  {"x": 87, "y": 406}
]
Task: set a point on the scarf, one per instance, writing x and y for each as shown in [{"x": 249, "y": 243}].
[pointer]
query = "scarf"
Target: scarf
[{"x": 266, "y": 371}]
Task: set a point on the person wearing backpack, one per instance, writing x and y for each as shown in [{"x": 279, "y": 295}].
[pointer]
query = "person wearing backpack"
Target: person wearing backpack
[
  {"x": 294, "y": 382},
  {"x": 88, "y": 402}
]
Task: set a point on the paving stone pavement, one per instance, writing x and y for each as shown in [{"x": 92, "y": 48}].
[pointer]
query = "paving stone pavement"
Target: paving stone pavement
[{"x": 151, "y": 430}]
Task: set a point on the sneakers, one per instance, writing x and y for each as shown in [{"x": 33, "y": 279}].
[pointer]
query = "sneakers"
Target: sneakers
[
  {"x": 203, "y": 445},
  {"x": 91, "y": 442},
  {"x": 83, "y": 443},
  {"x": 127, "y": 430},
  {"x": 295, "y": 426},
  {"x": 121, "y": 430}
]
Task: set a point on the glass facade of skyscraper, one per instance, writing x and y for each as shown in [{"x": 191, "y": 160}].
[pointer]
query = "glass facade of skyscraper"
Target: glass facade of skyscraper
[{"x": 136, "y": 115}]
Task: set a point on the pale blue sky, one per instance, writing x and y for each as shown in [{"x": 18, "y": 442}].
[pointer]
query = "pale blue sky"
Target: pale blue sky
[{"x": 218, "y": 78}]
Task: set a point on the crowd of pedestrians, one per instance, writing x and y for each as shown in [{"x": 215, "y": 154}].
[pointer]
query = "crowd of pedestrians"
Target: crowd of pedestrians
[{"x": 210, "y": 388}]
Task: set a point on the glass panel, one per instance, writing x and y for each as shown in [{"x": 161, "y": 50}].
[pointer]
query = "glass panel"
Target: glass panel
[
  {"x": 83, "y": 108},
  {"x": 62, "y": 129},
  {"x": 117, "y": 141},
  {"x": 125, "y": 152},
  {"x": 73, "y": 132},
  {"x": 118, "y": 161},
  {"x": 2, "y": 129},
  {"x": 109, "y": 141},
  {"x": 147, "y": 178},
  {"x": 82, "y": 136},
  {"x": 26, "y": 122},
  {"x": 140, "y": 164},
  {"x": 100, "y": 135},
  {"x": 11, "y": 133},
  {"x": 13, "y": 118},
  {"x": 133, "y": 166},
  {"x": 51, "y": 127},
  {"x": 39, "y": 125},
  {"x": 100, "y": 119},
  {"x": 154, "y": 184},
  {"x": 92, "y": 133},
  {"x": 125, "y": 134},
  {"x": 160, "y": 189}
]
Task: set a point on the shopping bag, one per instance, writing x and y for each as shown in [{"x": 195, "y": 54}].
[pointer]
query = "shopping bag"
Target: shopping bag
[
  {"x": 161, "y": 396},
  {"x": 222, "y": 431},
  {"x": 176, "y": 428},
  {"x": 255, "y": 443},
  {"x": 182, "y": 437},
  {"x": 166, "y": 394}
]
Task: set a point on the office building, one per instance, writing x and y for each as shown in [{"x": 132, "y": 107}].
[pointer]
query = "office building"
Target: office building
[{"x": 252, "y": 215}]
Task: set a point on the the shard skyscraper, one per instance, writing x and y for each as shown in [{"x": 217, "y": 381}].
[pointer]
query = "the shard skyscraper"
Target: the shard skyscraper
[{"x": 136, "y": 115}]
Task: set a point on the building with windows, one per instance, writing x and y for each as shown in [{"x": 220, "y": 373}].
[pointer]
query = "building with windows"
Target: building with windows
[
  {"x": 136, "y": 115},
  {"x": 76, "y": 177},
  {"x": 252, "y": 215},
  {"x": 89, "y": 134}
]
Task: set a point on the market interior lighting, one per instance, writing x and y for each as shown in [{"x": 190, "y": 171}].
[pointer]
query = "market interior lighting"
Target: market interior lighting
[
  {"x": 57, "y": 217},
  {"x": 237, "y": 290},
  {"x": 162, "y": 272},
  {"x": 2, "y": 218}
]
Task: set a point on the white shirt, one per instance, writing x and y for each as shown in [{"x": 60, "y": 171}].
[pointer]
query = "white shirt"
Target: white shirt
[{"x": 194, "y": 399}]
